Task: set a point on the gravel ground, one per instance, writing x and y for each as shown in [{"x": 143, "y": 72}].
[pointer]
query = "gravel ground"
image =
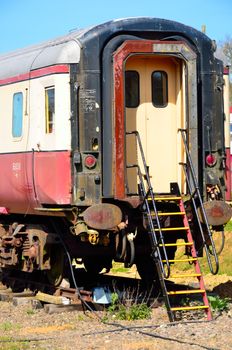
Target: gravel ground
[{"x": 22, "y": 327}]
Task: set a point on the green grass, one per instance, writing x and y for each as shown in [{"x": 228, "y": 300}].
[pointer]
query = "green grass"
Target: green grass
[
  {"x": 118, "y": 267},
  {"x": 225, "y": 261},
  {"x": 228, "y": 226},
  {"x": 8, "y": 343},
  {"x": 7, "y": 326},
  {"x": 131, "y": 311},
  {"x": 219, "y": 304},
  {"x": 30, "y": 311}
]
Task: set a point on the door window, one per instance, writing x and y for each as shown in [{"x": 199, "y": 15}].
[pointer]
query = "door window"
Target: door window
[
  {"x": 159, "y": 83},
  {"x": 132, "y": 88},
  {"x": 17, "y": 115}
]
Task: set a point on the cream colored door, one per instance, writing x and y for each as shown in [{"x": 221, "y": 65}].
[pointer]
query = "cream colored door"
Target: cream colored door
[{"x": 158, "y": 114}]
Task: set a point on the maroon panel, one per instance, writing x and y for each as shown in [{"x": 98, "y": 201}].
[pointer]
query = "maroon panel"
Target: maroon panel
[
  {"x": 21, "y": 193},
  {"x": 16, "y": 184},
  {"x": 53, "y": 177}
]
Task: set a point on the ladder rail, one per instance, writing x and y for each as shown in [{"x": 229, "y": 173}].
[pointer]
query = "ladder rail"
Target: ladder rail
[
  {"x": 208, "y": 255},
  {"x": 156, "y": 254},
  {"x": 195, "y": 193},
  {"x": 157, "y": 238},
  {"x": 197, "y": 266},
  {"x": 150, "y": 193},
  {"x": 156, "y": 248}
]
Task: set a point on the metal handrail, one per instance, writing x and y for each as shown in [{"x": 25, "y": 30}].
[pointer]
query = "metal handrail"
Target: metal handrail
[
  {"x": 149, "y": 193},
  {"x": 196, "y": 195}
]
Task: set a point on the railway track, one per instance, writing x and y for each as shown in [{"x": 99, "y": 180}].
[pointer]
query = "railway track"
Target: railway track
[
  {"x": 85, "y": 293},
  {"x": 86, "y": 296}
]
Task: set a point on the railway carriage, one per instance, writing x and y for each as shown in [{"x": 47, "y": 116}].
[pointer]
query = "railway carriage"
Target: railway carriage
[{"x": 111, "y": 138}]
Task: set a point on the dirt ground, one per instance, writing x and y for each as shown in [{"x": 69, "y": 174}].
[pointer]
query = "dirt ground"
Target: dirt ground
[{"x": 22, "y": 327}]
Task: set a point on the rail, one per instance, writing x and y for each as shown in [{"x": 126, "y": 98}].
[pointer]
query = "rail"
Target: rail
[
  {"x": 195, "y": 197},
  {"x": 148, "y": 193}
]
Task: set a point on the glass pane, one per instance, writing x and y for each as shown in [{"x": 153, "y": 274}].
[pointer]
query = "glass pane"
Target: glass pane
[
  {"x": 17, "y": 115},
  {"x": 49, "y": 109},
  {"x": 159, "y": 89},
  {"x": 132, "y": 88}
]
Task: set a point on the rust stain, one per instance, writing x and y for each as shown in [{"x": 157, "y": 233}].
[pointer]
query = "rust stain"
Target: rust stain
[
  {"x": 127, "y": 48},
  {"x": 217, "y": 211}
]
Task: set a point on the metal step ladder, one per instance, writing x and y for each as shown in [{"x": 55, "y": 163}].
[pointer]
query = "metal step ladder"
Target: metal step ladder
[
  {"x": 174, "y": 298},
  {"x": 198, "y": 207},
  {"x": 157, "y": 234}
]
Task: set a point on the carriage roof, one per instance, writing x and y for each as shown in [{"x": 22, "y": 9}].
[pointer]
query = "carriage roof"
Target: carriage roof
[{"x": 67, "y": 48}]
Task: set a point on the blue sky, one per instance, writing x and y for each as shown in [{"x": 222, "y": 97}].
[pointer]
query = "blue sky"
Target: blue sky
[{"x": 27, "y": 22}]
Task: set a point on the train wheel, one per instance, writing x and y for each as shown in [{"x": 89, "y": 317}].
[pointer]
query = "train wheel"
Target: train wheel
[{"x": 55, "y": 274}]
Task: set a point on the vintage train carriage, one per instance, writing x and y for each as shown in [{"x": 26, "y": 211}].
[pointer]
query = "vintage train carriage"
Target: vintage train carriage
[{"x": 81, "y": 116}]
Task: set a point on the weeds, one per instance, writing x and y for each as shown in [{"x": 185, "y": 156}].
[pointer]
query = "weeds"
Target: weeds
[
  {"x": 30, "y": 312},
  {"x": 219, "y": 304},
  {"x": 119, "y": 268},
  {"x": 7, "y": 326},
  {"x": 185, "y": 301},
  {"x": 228, "y": 226},
  {"x": 128, "y": 310},
  {"x": 129, "y": 305},
  {"x": 7, "y": 343}
]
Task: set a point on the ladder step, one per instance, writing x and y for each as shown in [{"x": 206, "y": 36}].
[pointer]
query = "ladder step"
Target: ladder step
[
  {"x": 168, "y": 198},
  {"x": 186, "y": 275},
  {"x": 173, "y": 229},
  {"x": 181, "y": 260},
  {"x": 181, "y": 244},
  {"x": 188, "y": 291},
  {"x": 186, "y": 308},
  {"x": 171, "y": 213}
]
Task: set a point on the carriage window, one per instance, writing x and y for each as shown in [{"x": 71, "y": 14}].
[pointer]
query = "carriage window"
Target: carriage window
[
  {"x": 49, "y": 109},
  {"x": 159, "y": 81},
  {"x": 17, "y": 115},
  {"x": 132, "y": 88}
]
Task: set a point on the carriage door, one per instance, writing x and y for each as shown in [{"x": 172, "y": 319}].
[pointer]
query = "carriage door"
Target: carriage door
[{"x": 155, "y": 108}]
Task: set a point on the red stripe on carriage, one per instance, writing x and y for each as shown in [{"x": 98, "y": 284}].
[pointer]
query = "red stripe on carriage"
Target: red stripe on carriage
[{"x": 37, "y": 73}]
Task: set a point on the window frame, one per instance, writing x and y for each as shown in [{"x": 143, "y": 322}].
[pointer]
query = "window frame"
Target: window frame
[
  {"x": 17, "y": 116},
  {"x": 134, "y": 105},
  {"x": 49, "y": 122},
  {"x": 164, "y": 104}
]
